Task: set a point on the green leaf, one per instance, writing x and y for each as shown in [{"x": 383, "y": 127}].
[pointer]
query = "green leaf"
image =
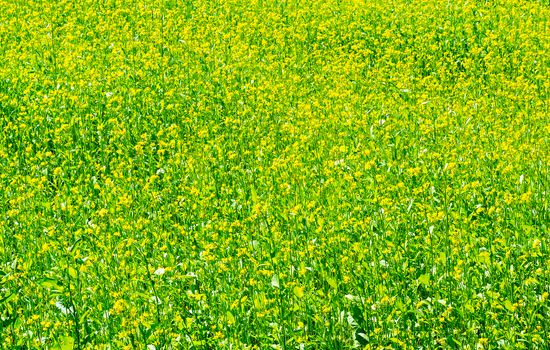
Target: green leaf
[
  {"x": 424, "y": 279},
  {"x": 230, "y": 318},
  {"x": 332, "y": 282},
  {"x": 361, "y": 337},
  {"x": 298, "y": 291},
  {"x": 67, "y": 343},
  {"x": 51, "y": 284},
  {"x": 259, "y": 301},
  {"x": 275, "y": 281},
  {"x": 253, "y": 194},
  {"x": 509, "y": 305}
]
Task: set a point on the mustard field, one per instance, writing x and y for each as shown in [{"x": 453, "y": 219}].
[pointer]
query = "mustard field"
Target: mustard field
[{"x": 336, "y": 174}]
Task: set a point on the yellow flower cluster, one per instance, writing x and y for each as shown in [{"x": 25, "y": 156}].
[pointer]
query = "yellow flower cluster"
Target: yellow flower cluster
[{"x": 332, "y": 174}]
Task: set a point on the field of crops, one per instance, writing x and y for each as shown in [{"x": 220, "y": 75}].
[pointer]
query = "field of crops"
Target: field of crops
[{"x": 179, "y": 174}]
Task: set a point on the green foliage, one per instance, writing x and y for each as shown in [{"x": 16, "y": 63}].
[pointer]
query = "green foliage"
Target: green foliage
[{"x": 274, "y": 174}]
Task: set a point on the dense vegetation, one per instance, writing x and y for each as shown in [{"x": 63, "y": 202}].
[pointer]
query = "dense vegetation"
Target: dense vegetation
[{"x": 274, "y": 174}]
